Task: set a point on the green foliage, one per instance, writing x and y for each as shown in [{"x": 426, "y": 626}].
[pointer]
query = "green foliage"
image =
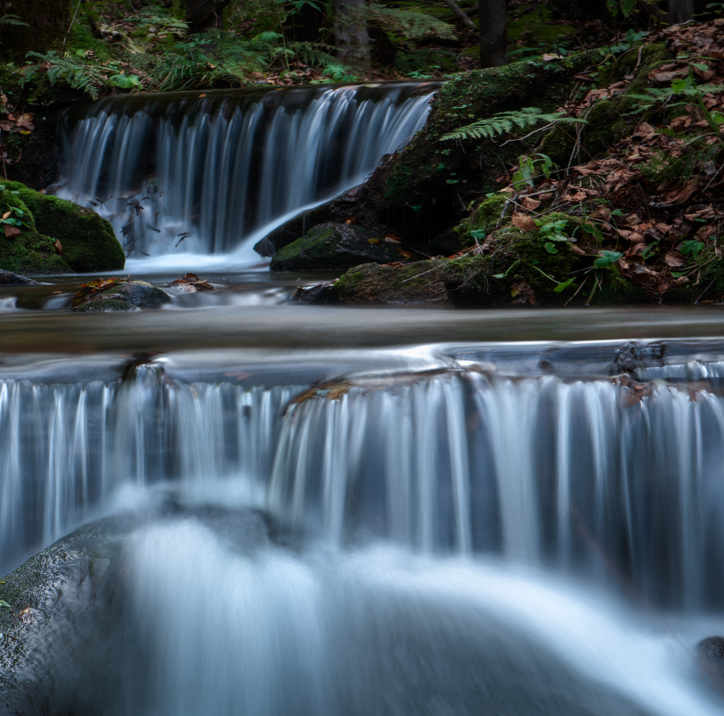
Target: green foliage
[
  {"x": 688, "y": 91},
  {"x": 530, "y": 167},
  {"x": 504, "y": 122},
  {"x": 606, "y": 259},
  {"x": 73, "y": 69},
  {"x": 692, "y": 248}
]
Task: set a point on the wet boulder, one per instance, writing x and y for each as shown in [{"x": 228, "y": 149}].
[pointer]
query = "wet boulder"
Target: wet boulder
[
  {"x": 66, "y": 237},
  {"x": 105, "y": 296},
  {"x": 423, "y": 283},
  {"x": 710, "y": 655},
  {"x": 337, "y": 247},
  {"x": 8, "y": 278}
]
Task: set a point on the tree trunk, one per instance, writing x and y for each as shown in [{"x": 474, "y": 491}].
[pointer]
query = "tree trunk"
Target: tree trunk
[
  {"x": 681, "y": 10},
  {"x": 203, "y": 15},
  {"x": 47, "y": 22},
  {"x": 351, "y": 36},
  {"x": 493, "y": 30}
]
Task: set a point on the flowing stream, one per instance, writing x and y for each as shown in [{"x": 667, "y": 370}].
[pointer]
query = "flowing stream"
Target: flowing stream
[{"x": 267, "y": 510}]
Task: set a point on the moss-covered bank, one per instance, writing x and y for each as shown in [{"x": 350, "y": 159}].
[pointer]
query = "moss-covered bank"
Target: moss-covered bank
[{"x": 51, "y": 235}]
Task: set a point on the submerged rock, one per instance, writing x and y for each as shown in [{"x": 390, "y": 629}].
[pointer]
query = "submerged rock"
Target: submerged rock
[
  {"x": 54, "y": 235},
  {"x": 8, "y": 278},
  {"x": 334, "y": 247},
  {"x": 118, "y": 295},
  {"x": 710, "y": 654}
]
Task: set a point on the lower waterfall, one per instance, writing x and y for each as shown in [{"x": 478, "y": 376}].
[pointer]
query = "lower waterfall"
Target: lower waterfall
[{"x": 618, "y": 480}]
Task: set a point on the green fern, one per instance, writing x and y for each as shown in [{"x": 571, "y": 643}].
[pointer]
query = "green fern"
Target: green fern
[
  {"x": 505, "y": 122},
  {"x": 75, "y": 71}
]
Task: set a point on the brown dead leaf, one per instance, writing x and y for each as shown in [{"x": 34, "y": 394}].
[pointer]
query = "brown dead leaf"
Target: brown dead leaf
[
  {"x": 530, "y": 204},
  {"x": 578, "y": 196},
  {"x": 673, "y": 260},
  {"x": 7, "y": 214},
  {"x": 392, "y": 239},
  {"x": 683, "y": 194},
  {"x": 6, "y": 126},
  {"x": 704, "y": 232},
  {"x": 403, "y": 252},
  {"x": 58, "y": 246},
  {"x": 522, "y": 294},
  {"x": 11, "y": 231},
  {"x": 645, "y": 131},
  {"x": 523, "y": 222}
]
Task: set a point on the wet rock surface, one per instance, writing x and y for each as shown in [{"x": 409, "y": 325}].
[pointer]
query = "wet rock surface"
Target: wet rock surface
[
  {"x": 421, "y": 283},
  {"x": 8, "y": 278},
  {"x": 120, "y": 295},
  {"x": 330, "y": 247},
  {"x": 710, "y": 655}
]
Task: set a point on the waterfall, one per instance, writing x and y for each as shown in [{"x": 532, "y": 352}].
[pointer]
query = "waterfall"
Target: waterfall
[
  {"x": 599, "y": 477},
  {"x": 200, "y": 172}
]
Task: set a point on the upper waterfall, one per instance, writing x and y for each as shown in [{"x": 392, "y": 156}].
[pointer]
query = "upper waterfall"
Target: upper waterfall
[{"x": 200, "y": 172}]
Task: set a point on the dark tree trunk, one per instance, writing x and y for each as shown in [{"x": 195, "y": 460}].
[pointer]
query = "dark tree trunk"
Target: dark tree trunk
[
  {"x": 350, "y": 34},
  {"x": 203, "y": 15},
  {"x": 47, "y": 24},
  {"x": 493, "y": 31},
  {"x": 681, "y": 10},
  {"x": 305, "y": 25}
]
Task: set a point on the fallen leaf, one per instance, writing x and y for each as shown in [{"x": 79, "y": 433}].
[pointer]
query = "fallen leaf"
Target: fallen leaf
[
  {"x": 7, "y": 214},
  {"x": 11, "y": 231},
  {"x": 682, "y": 195},
  {"x": 530, "y": 204},
  {"x": 670, "y": 259},
  {"x": 404, "y": 253},
  {"x": 523, "y": 222},
  {"x": 392, "y": 239},
  {"x": 58, "y": 246},
  {"x": 522, "y": 293}
]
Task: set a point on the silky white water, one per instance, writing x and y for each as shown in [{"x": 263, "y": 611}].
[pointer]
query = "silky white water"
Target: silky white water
[{"x": 194, "y": 180}]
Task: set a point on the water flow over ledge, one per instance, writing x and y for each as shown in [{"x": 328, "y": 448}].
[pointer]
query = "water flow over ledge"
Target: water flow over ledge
[
  {"x": 615, "y": 479},
  {"x": 184, "y": 173}
]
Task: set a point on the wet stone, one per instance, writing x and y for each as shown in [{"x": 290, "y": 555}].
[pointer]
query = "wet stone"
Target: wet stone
[{"x": 8, "y": 278}]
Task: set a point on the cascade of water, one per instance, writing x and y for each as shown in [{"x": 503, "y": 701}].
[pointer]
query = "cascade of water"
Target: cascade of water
[
  {"x": 583, "y": 475},
  {"x": 187, "y": 172}
]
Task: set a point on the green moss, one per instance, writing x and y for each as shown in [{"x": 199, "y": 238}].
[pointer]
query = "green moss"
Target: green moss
[
  {"x": 485, "y": 217},
  {"x": 88, "y": 241},
  {"x": 106, "y": 305}
]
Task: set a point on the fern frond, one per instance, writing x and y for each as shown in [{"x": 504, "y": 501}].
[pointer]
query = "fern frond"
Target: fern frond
[{"x": 505, "y": 122}]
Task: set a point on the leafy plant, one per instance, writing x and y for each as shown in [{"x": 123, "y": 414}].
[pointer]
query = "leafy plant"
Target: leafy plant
[
  {"x": 551, "y": 232},
  {"x": 692, "y": 248},
  {"x": 606, "y": 259},
  {"x": 530, "y": 167},
  {"x": 688, "y": 90},
  {"x": 504, "y": 122}
]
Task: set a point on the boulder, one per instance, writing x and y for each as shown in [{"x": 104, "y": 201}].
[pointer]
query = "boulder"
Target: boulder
[
  {"x": 710, "y": 654},
  {"x": 336, "y": 247},
  {"x": 118, "y": 295},
  {"x": 423, "y": 283},
  {"x": 8, "y": 278},
  {"x": 66, "y": 237}
]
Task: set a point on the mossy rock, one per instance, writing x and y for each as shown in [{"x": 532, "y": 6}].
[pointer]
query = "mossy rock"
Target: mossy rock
[
  {"x": 28, "y": 252},
  {"x": 418, "y": 284},
  {"x": 334, "y": 247},
  {"x": 88, "y": 242}
]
